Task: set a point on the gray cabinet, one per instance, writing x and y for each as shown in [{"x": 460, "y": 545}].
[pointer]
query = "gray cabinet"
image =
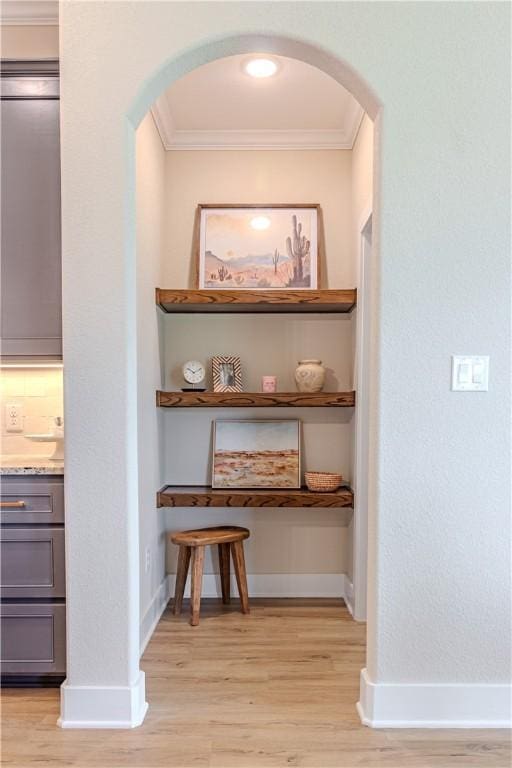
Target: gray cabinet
[
  {"x": 33, "y": 640},
  {"x": 30, "y": 210},
  {"x": 32, "y": 579},
  {"x": 32, "y": 562},
  {"x": 34, "y": 499}
]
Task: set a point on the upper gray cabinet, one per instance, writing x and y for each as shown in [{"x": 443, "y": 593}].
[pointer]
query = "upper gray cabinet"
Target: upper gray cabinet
[{"x": 30, "y": 210}]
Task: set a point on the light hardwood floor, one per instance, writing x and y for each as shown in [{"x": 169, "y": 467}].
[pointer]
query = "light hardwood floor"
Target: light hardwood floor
[{"x": 275, "y": 688}]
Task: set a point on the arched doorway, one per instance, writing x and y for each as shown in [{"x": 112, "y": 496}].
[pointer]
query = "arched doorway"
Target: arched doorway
[
  {"x": 276, "y": 46},
  {"x": 125, "y": 703}
]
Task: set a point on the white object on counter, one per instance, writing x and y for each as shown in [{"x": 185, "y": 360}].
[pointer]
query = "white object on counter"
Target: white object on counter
[{"x": 57, "y": 437}]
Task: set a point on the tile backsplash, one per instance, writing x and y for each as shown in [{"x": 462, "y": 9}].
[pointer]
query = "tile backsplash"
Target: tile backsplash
[{"x": 39, "y": 392}]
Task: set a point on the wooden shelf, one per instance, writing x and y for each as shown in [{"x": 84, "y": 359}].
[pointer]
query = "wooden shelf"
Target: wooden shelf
[
  {"x": 256, "y": 301},
  {"x": 255, "y": 399},
  {"x": 204, "y": 496}
]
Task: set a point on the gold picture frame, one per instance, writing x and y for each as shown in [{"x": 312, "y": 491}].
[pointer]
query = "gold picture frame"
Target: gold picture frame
[{"x": 258, "y": 246}]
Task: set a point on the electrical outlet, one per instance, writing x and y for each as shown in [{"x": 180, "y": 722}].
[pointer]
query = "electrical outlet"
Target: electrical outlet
[
  {"x": 13, "y": 417},
  {"x": 147, "y": 565}
]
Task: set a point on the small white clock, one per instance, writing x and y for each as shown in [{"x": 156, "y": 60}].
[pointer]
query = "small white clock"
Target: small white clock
[{"x": 193, "y": 372}]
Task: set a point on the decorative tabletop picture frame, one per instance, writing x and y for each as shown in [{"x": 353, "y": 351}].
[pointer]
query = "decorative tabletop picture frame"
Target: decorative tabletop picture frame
[
  {"x": 258, "y": 247},
  {"x": 256, "y": 453},
  {"x": 227, "y": 373}
]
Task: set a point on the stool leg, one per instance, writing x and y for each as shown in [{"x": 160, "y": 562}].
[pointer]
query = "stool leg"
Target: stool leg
[
  {"x": 197, "y": 582},
  {"x": 181, "y": 578},
  {"x": 237, "y": 550},
  {"x": 224, "y": 572}
]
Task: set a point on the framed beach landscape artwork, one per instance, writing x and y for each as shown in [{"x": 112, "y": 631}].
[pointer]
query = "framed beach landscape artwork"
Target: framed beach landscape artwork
[
  {"x": 248, "y": 247},
  {"x": 256, "y": 453}
]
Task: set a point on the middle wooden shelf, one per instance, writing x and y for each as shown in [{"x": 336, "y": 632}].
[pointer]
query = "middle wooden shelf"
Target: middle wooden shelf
[{"x": 255, "y": 399}]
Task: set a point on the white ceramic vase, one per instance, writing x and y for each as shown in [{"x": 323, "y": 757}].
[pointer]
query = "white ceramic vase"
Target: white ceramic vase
[{"x": 310, "y": 376}]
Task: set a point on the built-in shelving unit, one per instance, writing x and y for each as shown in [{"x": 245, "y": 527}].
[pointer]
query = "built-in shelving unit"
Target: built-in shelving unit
[
  {"x": 255, "y": 399},
  {"x": 256, "y": 301},
  {"x": 204, "y": 496}
]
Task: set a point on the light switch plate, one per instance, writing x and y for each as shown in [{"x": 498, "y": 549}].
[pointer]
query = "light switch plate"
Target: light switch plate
[{"x": 470, "y": 373}]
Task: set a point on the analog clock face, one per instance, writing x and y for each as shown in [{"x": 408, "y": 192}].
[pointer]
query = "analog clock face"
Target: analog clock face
[{"x": 193, "y": 372}]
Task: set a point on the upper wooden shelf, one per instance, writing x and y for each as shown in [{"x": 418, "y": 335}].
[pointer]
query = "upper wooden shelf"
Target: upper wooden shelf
[
  {"x": 255, "y": 399},
  {"x": 256, "y": 301}
]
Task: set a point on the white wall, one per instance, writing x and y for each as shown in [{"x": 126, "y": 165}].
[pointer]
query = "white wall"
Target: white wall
[
  {"x": 362, "y": 203},
  {"x": 267, "y": 345},
  {"x": 440, "y": 494},
  {"x": 246, "y": 176},
  {"x": 150, "y": 234},
  {"x": 362, "y": 179}
]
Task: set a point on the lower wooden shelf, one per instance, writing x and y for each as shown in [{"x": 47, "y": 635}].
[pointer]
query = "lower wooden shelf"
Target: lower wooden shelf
[{"x": 204, "y": 496}]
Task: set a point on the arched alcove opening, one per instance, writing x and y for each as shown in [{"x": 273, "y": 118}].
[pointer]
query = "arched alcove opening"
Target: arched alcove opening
[{"x": 161, "y": 434}]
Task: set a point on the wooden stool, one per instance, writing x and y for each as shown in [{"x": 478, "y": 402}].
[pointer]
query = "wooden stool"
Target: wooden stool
[{"x": 192, "y": 543}]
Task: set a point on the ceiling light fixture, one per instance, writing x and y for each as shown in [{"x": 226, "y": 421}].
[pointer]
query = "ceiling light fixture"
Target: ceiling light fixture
[
  {"x": 261, "y": 67},
  {"x": 260, "y": 222}
]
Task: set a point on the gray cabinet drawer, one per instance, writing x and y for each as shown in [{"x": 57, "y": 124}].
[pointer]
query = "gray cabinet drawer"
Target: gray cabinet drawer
[
  {"x": 33, "y": 639},
  {"x": 32, "y": 562},
  {"x": 32, "y": 500}
]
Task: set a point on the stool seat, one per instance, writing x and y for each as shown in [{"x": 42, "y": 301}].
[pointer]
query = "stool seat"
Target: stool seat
[
  {"x": 229, "y": 540},
  {"x": 202, "y": 537}
]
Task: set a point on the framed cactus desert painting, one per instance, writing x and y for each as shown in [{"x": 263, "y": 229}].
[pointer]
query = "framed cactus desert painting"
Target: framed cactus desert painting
[{"x": 258, "y": 247}]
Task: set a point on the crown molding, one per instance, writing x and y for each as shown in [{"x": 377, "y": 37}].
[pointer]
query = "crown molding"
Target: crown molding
[
  {"x": 162, "y": 116},
  {"x": 173, "y": 139},
  {"x": 29, "y": 12},
  {"x": 24, "y": 67},
  {"x": 263, "y": 139}
]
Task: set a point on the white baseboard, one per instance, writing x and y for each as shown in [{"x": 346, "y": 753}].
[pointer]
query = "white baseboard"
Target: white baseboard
[
  {"x": 95, "y": 706},
  {"x": 439, "y": 705},
  {"x": 275, "y": 585},
  {"x": 349, "y": 595},
  {"x": 154, "y": 612}
]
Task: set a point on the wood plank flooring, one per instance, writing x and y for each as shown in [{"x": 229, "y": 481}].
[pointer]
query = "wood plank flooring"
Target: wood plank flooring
[{"x": 274, "y": 688}]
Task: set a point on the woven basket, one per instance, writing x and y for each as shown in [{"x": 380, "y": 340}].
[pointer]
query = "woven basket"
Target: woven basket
[{"x": 323, "y": 481}]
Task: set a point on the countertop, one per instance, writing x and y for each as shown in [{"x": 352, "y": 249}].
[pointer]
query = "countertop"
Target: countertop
[{"x": 30, "y": 465}]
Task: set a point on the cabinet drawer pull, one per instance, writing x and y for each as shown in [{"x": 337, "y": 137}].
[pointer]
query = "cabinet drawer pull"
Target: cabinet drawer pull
[{"x": 12, "y": 504}]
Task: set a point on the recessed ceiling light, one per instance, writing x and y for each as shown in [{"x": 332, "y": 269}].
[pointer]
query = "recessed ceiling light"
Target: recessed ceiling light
[
  {"x": 260, "y": 222},
  {"x": 261, "y": 67}
]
